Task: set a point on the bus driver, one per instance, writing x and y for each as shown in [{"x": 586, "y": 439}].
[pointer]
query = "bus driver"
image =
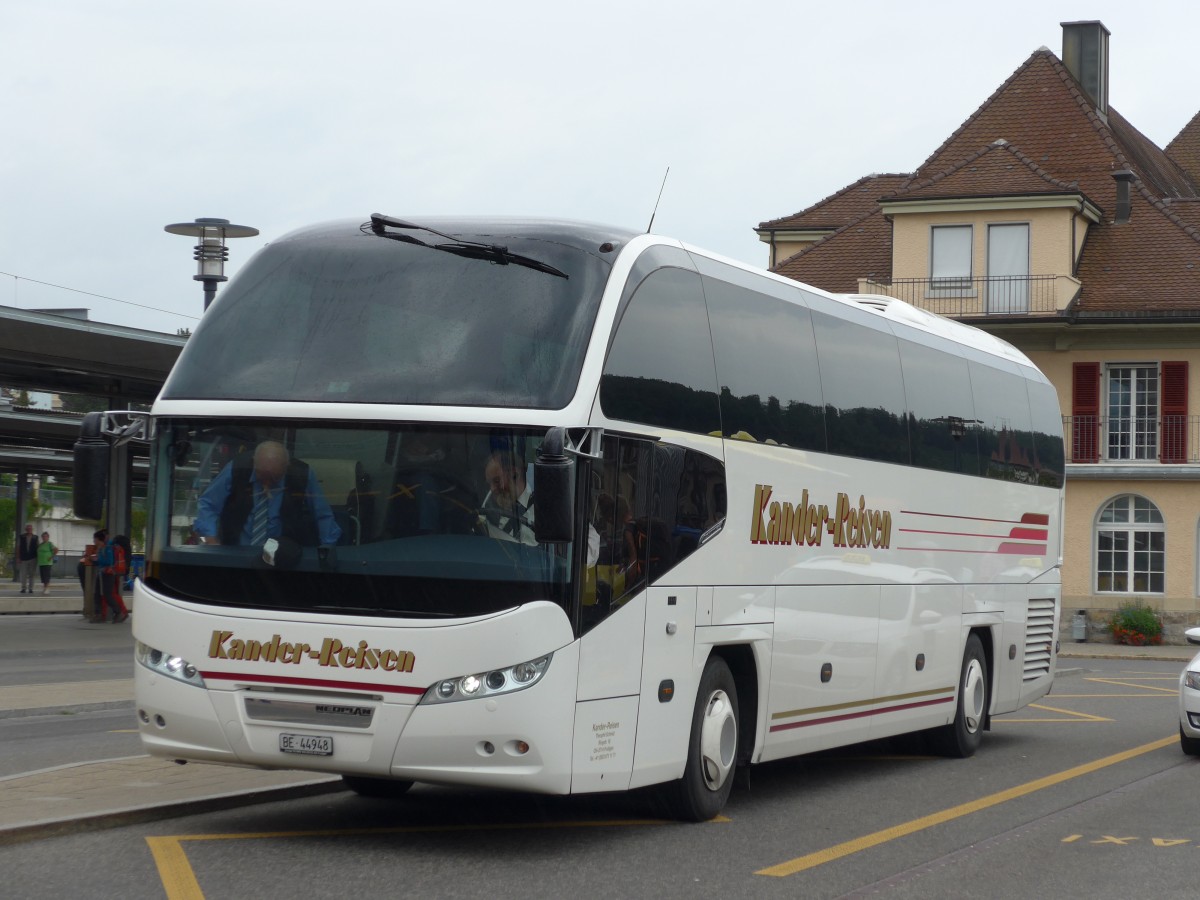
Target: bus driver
[{"x": 264, "y": 495}]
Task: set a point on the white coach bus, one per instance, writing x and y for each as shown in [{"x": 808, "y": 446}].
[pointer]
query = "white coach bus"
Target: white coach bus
[{"x": 565, "y": 508}]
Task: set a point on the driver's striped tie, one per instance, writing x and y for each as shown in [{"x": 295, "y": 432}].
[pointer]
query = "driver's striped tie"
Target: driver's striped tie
[{"x": 258, "y": 526}]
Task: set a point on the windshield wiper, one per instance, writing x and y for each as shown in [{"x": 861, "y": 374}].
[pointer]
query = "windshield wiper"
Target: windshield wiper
[{"x": 495, "y": 253}]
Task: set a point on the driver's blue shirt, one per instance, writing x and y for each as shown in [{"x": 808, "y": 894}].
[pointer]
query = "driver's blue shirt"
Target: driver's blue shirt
[{"x": 212, "y": 502}]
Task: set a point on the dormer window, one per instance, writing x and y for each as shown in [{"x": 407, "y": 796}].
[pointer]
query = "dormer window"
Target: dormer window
[{"x": 950, "y": 257}]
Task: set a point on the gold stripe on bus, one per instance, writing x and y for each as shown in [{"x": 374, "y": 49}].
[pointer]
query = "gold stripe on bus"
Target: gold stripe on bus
[{"x": 853, "y": 703}]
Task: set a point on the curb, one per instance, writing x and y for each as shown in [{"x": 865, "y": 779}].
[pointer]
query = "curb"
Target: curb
[
  {"x": 157, "y": 812},
  {"x": 66, "y": 709}
]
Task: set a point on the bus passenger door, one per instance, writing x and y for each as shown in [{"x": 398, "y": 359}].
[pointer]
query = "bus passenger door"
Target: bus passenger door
[
  {"x": 606, "y": 709},
  {"x": 668, "y": 685},
  {"x": 823, "y": 668}
]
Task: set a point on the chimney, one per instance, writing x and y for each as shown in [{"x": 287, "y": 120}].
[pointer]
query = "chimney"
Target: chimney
[
  {"x": 1123, "y": 177},
  {"x": 1085, "y": 54}
]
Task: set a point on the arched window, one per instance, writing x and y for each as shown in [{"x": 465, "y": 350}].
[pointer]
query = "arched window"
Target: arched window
[{"x": 1130, "y": 547}]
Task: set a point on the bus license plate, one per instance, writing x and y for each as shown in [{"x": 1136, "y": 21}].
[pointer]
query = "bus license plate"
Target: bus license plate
[{"x": 308, "y": 744}]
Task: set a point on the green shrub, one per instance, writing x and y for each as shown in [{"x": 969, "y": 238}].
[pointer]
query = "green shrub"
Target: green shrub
[{"x": 1136, "y": 624}]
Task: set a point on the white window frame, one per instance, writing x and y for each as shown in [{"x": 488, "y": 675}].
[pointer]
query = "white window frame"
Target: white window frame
[
  {"x": 1131, "y": 426},
  {"x": 1131, "y": 529},
  {"x": 1012, "y": 294},
  {"x": 951, "y": 285}
]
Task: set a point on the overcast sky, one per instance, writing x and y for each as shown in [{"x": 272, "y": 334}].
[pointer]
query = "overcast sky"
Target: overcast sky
[{"x": 120, "y": 117}]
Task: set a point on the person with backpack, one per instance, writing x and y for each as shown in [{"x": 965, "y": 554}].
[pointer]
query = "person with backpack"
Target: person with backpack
[
  {"x": 109, "y": 560},
  {"x": 114, "y": 581}
]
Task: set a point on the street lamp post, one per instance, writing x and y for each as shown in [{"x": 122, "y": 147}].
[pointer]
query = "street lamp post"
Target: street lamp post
[{"x": 211, "y": 252}]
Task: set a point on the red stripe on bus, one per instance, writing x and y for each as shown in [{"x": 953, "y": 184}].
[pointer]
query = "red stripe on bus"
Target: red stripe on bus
[
  {"x": 1021, "y": 549},
  {"x": 1035, "y": 519},
  {"x": 1040, "y": 549},
  {"x": 312, "y": 682},
  {"x": 1029, "y": 534},
  {"x": 858, "y": 715}
]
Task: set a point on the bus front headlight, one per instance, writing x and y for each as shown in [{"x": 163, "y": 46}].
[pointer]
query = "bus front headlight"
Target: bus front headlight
[
  {"x": 167, "y": 664},
  {"x": 489, "y": 684}
]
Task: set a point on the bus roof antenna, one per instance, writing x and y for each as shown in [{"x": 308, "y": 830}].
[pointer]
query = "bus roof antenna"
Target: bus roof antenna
[{"x": 656, "y": 202}]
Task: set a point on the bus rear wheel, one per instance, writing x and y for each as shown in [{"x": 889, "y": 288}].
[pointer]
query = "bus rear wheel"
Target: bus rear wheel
[
  {"x": 376, "y": 788},
  {"x": 712, "y": 748},
  {"x": 962, "y": 737}
]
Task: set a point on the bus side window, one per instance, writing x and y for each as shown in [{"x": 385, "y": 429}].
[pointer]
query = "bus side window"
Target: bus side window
[
  {"x": 651, "y": 506},
  {"x": 660, "y": 368}
]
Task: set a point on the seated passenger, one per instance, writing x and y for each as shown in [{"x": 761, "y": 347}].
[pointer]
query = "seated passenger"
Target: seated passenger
[
  {"x": 508, "y": 505},
  {"x": 264, "y": 495}
]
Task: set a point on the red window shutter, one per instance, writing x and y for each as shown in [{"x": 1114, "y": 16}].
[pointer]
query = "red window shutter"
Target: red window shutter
[
  {"x": 1085, "y": 412},
  {"x": 1172, "y": 444}
]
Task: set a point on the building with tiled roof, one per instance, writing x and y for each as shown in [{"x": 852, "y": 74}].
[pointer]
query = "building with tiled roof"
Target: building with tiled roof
[
  {"x": 790, "y": 234},
  {"x": 1049, "y": 220}
]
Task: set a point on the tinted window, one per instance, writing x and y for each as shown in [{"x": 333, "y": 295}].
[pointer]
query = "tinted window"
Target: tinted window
[
  {"x": 862, "y": 388},
  {"x": 937, "y": 389},
  {"x": 1005, "y": 439},
  {"x": 766, "y": 366},
  {"x": 340, "y": 316},
  {"x": 659, "y": 369},
  {"x": 1046, "y": 416},
  {"x": 651, "y": 505}
]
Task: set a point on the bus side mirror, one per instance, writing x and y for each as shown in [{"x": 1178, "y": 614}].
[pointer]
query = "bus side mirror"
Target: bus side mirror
[
  {"x": 91, "y": 468},
  {"x": 554, "y": 491}
]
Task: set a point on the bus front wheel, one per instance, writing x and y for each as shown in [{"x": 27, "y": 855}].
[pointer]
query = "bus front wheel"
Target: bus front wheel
[
  {"x": 377, "y": 788},
  {"x": 712, "y": 748},
  {"x": 962, "y": 737}
]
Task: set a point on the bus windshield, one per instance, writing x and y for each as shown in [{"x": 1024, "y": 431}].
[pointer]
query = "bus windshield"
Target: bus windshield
[
  {"x": 414, "y": 521},
  {"x": 340, "y": 314}
]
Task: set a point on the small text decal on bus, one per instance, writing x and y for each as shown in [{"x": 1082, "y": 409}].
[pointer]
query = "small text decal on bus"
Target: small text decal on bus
[
  {"x": 804, "y": 523},
  {"x": 332, "y": 653}
]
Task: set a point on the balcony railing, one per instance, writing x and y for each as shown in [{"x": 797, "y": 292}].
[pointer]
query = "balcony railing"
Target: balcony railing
[
  {"x": 957, "y": 298},
  {"x": 1124, "y": 439}
]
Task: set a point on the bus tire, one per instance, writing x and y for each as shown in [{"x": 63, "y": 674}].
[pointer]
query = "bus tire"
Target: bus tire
[
  {"x": 712, "y": 748},
  {"x": 376, "y": 788},
  {"x": 962, "y": 737}
]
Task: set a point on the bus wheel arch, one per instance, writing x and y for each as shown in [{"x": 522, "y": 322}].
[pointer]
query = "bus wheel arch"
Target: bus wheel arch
[{"x": 742, "y": 665}]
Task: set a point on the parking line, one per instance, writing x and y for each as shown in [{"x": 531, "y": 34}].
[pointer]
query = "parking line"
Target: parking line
[
  {"x": 848, "y": 848},
  {"x": 179, "y": 881},
  {"x": 1144, "y": 687}
]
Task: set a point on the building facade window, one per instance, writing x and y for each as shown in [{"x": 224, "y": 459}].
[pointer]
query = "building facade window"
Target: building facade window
[
  {"x": 1134, "y": 412},
  {"x": 1008, "y": 268},
  {"x": 950, "y": 256},
  {"x": 1130, "y": 547},
  {"x": 1132, "y": 400}
]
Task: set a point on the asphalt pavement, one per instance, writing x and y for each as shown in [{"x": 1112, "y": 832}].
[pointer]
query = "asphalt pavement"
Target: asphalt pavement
[{"x": 103, "y": 793}]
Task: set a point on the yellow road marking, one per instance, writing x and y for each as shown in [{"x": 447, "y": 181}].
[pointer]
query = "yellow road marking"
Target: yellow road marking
[
  {"x": 847, "y": 848},
  {"x": 1070, "y": 712},
  {"x": 1144, "y": 687},
  {"x": 179, "y": 881},
  {"x": 1072, "y": 716}
]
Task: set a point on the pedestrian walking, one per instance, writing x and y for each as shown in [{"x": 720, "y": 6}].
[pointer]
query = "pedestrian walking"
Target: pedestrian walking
[
  {"x": 46, "y": 554},
  {"x": 27, "y": 559}
]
